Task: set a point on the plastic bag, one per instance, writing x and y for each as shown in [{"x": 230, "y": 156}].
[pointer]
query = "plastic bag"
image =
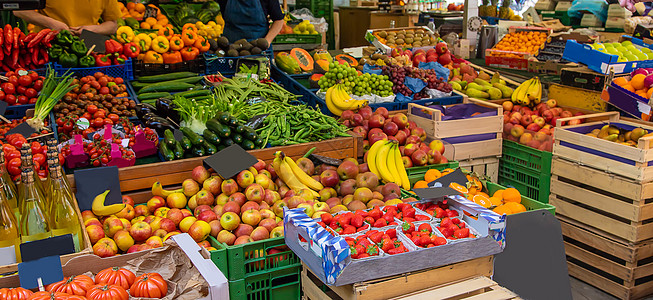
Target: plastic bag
[
  {"x": 379, "y": 99},
  {"x": 440, "y": 70},
  {"x": 371, "y": 69},
  {"x": 370, "y": 98},
  {"x": 414, "y": 84},
  {"x": 434, "y": 94},
  {"x": 599, "y": 8},
  {"x": 402, "y": 98},
  {"x": 631, "y": 23},
  {"x": 321, "y": 94},
  {"x": 320, "y": 24}
]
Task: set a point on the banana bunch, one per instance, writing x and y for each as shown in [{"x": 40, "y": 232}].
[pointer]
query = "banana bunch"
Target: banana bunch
[
  {"x": 338, "y": 100},
  {"x": 384, "y": 160},
  {"x": 99, "y": 209},
  {"x": 528, "y": 93},
  {"x": 294, "y": 177},
  {"x": 157, "y": 190}
]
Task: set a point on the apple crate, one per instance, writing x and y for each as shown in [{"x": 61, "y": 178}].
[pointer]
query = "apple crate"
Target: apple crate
[
  {"x": 572, "y": 143},
  {"x": 466, "y": 136},
  {"x": 615, "y": 205}
]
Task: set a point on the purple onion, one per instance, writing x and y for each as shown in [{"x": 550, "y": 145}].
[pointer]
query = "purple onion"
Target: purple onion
[{"x": 639, "y": 71}]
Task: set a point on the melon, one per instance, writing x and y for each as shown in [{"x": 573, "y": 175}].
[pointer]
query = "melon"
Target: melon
[
  {"x": 321, "y": 66},
  {"x": 302, "y": 57},
  {"x": 313, "y": 81},
  {"x": 347, "y": 58}
]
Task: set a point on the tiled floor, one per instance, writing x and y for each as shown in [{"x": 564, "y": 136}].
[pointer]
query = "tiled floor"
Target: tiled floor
[{"x": 584, "y": 291}]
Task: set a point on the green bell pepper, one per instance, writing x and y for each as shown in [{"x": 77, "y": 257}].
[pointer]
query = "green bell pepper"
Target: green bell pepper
[
  {"x": 79, "y": 48},
  {"x": 64, "y": 38},
  {"x": 55, "y": 52},
  {"x": 87, "y": 61},
  {"x": 68, "y": 60}
]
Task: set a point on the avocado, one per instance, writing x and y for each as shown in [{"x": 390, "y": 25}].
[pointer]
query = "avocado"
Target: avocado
[
  {"x": 232, "y": 53},
  {"x": 247, "y": 46},
  {"x": 240, "y": 42},
  {"x": 256, "y": 51},
  {"x": 213, "y": 44},
  {"x": 244, "y": 53},
  {"x": 262, "y": 43},
  {"x": 223, "y": 42}
]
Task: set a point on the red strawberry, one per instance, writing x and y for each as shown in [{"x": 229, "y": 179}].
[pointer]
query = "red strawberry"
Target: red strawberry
[
  {"x": 345, "y": 219},
  {"x": 352, "y": 252},
  {"x": 364, "y": 243},
  {"x": 388, "y": 217},
  {"x": 446, "y": 222},
  {"x": 439, "y": 213},
  {"x": 424, "y": 240},
  {"x": 380, "y": 223},
  {"x": 392, "y": 233},
  {"x": 438, "y": 241},
  {"x": 326, "y": 218},
  {"x": 338, "y": 230},
  {"x": 462, "y": 225},
  {"x": 363, "y": 255},
  {"x": 322, "y": 224},
  {"x": 421, "y": 218},
  {"x": 357, "y": 221},
  {"x": 362, "y": 213},
  {"x": 409, "y": 212},
  {"x": 407, "y": 219},
  {"x": 461, "y": 233},
  {"x": 362, "y": 228},
  {"x": 333, "y": 224},
  {"x": 369, "y": 220},
  {"x": 446, "y": 231},
  {"x": 350, "y": 241},
  {"x": 349, "y": 230},
  {"x": 376, "y": 237},
  {"x": 372, "y": 250},
  {"x": 451, "y": 213},
  {"x": 403, "y": 206},
  {"x": 393, "y": 251},
  {"x": 387, "y": 245},
  {"x": 375, "y": 213},
  {"x": 393, "y": 223},
  {"x": 408, "y": 227},
  {"x": 455, "y": 221},
  {"x": 424, "y": 227}
]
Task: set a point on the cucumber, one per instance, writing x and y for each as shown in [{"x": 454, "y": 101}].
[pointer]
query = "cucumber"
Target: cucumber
[
  {"x": 195, "y": 93},
  {"x": 198, "y": 151},
  {"x": 211, "y": 137},
  {"x": 259, "y": 142},
  {"x": 185, "y": 143},
  {"x": 177, "y": 150},
  {"x": 137, "y": 85},
  {"x": 223, "y": 118},
  {"x": 237, "y": 138},
  {"x": 250, "y": 134},
  {"x": 165, "y": 152},
  {"x": 152, "y": 96},
  {"x": 218, "y": 128},
  {"x": 241, "y": 128},
  {"x": 194, "y": 138},
  {"x": 169, "y": 138},
  {"x": 233, "y": 122},
  {"x": 166, "y": 87},
  {"x": 248, "y": 145},
  {"x": 227, "y": 142},
  {"x": 167, "y": 77},
  {"x": 209, "y": 148}
]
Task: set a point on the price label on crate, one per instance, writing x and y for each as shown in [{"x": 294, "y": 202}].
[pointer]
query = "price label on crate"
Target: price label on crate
[
  {"x": 230, "y": 161},
  {"x": 40, "y": 272},
  {"x": 54, "y": 246},
  {"x": 3, "y": 107},
  {"x": 94, "y": 181},
  {"x": 441, "y": 187},
  {"x": 23, "y": 129}
]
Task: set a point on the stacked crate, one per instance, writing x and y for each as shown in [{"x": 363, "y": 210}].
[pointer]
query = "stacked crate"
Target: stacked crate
[
  {"x": 321, "y": 9},
  {"x": 603, "y": 194}
]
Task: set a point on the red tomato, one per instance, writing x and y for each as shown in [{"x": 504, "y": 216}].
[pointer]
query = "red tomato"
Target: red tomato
[
  {"x": 12, "y": 154},
  {"x": 10, "y": 73},
  {"x": 32, "y": 100},
  {"x": 11, "y": 99},
  {"x": 22, "y": 99},
  {"x": 8, "y": 88},
  {"x": 20, "y": 90},
  {"x": 36, "y": 166},
  {"x": 108, "y": 121},
  {"x": 91, "y": 109},
  {"x": 25, "y": 80},
  {"x": 98, "y": 122},
  {"x": 114, "y": 117},
  {"x": 38, "y": 85},
  {"x": 13, "y": 80},
  {"x": 99, "y": 114},
  {"x": 13, "y": 166},
  {"x": 36, "y": 147},
  {"x": 34, "y": 75},
  {"x": 2, "y": 95},
  {"x": 31, "y": 93}
]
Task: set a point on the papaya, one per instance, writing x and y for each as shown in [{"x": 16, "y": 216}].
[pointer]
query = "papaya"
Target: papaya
[
  {"x": 302, "y": 57},
  {"x": 322, "y": 54},
  {"x": 313, "y": 80},
  {"x": 287, "y": 63},
  {"x": 321, "y": 66},
  {"x": 347, "y": 58}
]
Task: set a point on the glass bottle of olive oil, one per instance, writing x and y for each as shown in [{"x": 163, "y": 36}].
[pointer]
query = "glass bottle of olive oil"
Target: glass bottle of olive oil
[
  {"x": 63, "y": 217},
  {"x": 34, "y": 221}
]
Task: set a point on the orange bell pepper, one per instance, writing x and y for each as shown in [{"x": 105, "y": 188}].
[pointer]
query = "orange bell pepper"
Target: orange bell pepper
[
  {"x": 189, "y": 37},
  {"x": 153, "y": 58},
  {"x": 189, "y": 53},
  {"x": 176, "y": 43},
  {"x": 172, "y": 57},
  {"x": 190, "y": 26},
  {"x": 166, "y": 31},
  {"x": 202, "y": 44}
]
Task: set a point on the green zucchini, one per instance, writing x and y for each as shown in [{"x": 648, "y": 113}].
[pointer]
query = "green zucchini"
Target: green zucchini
[
  {"x": 195, "y": 93},
  {"x": 137, "y": 85},
  {"x": 167, "y": 77},
  {"x": 233, "y": 122},
  {"x": 237, "y": 138},
  {"x": 185, "y": 143},
  {"x": 177, "y": 150},
  {"x": 218, "y": 128},
  {"x": 194, "y": 138},
  {"x": 227, "y": 142},
  {"x": 209, "y": 148},
  {"x": 224, "y": 118},
  {"x": 259, "y": 142},
  {"x": 198, "y": 151},
  {"x": 241, "y": 128},
  {"x": 167, "y": 154},
  {"x": 169, "y": 138},
  {"x": 166, "y": 87},
  {"x": 152, "y": 96},
  {"x": 211, "y": 137},
  {"x": 250, "y": 134},
  {"x": 248, "y": 145}
]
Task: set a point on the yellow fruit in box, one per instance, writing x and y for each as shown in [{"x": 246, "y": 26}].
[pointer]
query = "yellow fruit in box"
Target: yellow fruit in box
[{"x": 211, "y": 23}]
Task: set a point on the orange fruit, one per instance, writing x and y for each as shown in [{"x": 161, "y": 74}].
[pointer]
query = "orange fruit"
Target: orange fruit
[
  {"x": 620, "y": 81},
  {"x": 515, "y": 207},
  {"x": 629, "y": 87},
  {"x": 649, "y": 93},
  {"x": 502, "y": 209},
  {"x": 145, "y": 25},
  {"x": 638, "y": 81},
  {"x": 511, "y": 195},
  {"x": 641, "y": 93},
  {"x": 482, "y": 200},
  {"x": 420, "y": 184},
  {"x": 162, "y": 21},
  {"x": 151, "y": 21},
  {"x": 498, "y": 194},
  {"x": 458, "y": 187},
  {"x": 131, "y": 5},
  {"x": 139, "y": 7},
  {"x": 496, "y": 201},
  {"x": 432, "y": 174}
]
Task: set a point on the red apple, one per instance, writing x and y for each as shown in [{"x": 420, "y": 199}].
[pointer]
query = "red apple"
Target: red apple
[
  {"x": 420, "y": 158},
  {"x": 200, "y": 174},
  {"x": 390, "y": 128},
  {"x": 347, "y": 170},
  {"x": 229, "y": 220},
  {"x": 376, "y": 121},
  {"x": 140, "y": 231},
  {"x": 245, "y": 178},
  {"x": 229, "y": 186},
  {"x": 105, "y": 247}
]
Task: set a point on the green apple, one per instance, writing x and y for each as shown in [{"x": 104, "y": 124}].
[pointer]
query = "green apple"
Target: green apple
[
  {"x": 608, "y": 45},
  {"x": 646, "y": 50},
  {"x": 650, "y": 55},
  {"x": 641, "y": 56},
  {"x": 626, "y": 43},
  {"x": 631, "y": 57},
  {"x": 621, "y": 49},
  {"x": 612, "y": 51},
  {"x": 621, "y": 59}
]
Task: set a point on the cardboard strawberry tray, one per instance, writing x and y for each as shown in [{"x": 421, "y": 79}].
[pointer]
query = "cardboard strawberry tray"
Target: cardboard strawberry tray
[{"x": 328, "y": 255}]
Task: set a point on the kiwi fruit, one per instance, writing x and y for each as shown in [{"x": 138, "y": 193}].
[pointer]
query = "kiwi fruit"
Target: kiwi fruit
[
  {"x": 256, "y": 50},
  {"x": 401, "y": 36},
  {"x": 410, "y": 35},
  {"x": 390, "y": 41},
  {"x": 419, "y": 31},
  {"x": 376, "y": 56},
  {"x": 390, "y": 44},
  {"x": 244, "y": 53},
  {"x": 409, "y": 40},
  {"x": 417, "y": 44},
  {"x": 399, "y": 41},
  {"x": 232, "y": 53},
  {"x": 392, "y": 33},
  {"x": 223, "y": 42},
  {"x": 383, "y": 33},
  {"x": 261, "y": 43},
  {"x": 247, "y": 46},
  {"x": 402, "y": 32},
  {"x": 417, "y": 39}
]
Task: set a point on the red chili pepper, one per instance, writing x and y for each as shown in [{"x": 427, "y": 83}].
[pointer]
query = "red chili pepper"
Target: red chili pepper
[
  {"x": 9, "y": 38},
  {"x": 17, "y": 33},
  {"x": 48, "y": 38},
  {"x": 14, "y": 59},
  {"x": 1, "y": 38},
  {"x": 39, "y": 37},
  {"x": 30, "y": 37},
  {"x": 44, "y": 57}
]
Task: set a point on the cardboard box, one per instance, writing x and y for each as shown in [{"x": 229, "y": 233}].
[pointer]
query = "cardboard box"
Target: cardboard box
[
  {"x": 329, "y": 258},
  {"x": 545, "y": 5},
  {"x": 604, "y": 62},
  {"x": 193, "y": 276},
  {"x": 583, "y": 77},
  {"x": 563, "y": 6},
  {"x": 511, "y": 59},
  {"x": 628, "y": 102},
  {"x": 548, "y": 67},
  {"x": 370, "y": 37}
]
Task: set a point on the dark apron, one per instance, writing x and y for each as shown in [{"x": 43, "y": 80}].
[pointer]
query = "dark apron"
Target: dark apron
[{"x": 244, "y": 19}]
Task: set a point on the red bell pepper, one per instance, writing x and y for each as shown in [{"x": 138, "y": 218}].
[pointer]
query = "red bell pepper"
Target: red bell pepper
[
  {"x": 189, "y": 53},
  {"x": 119, "y": 59},
  {"x": 112, "y": 46},
  {"x": 131, "y": 50},
  {"x": 102, "y": 60}
]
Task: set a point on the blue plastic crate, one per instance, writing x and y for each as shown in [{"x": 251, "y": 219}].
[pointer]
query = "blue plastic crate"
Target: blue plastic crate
[
  {"x": 124, "y": 71},
  {"x": 17, "y": 111},
  {"x": 215, "y": 64},
  {"x": 293, "y": 86},
  {"x": 603, "y": 62}
]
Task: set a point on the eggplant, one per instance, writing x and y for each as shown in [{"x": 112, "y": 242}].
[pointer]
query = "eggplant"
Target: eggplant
[
  {"x": 159, "y": 124},
  {"x": 148, "y": 116},
  {"x": 167, "y": 109},
  {"x": 144, "y": 108}
]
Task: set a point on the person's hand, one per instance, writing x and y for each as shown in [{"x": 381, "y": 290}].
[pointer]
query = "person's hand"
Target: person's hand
[
  {"x": 57, "y": 25},
  {"x": 269, "y": 39},
  {"x": 78, "y": 30}
]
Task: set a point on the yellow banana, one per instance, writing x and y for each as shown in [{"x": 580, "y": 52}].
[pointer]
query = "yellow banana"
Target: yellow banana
[
  {"x": 286, "y": 174},
  {"x": 519, "y": 95},
  {"x": 382, "y": 162},
  {"x": 329, "y": 102},
  {"x": 372, "y": 156},
  {"x": 302, "y": 176},
  {"x": 343, "y": 101},
  {"x": 99, "y": 209},
  {"x": 392, "y": 164},
  {"x": 535, "y": 91},
  {"x": 405, "y": 183},
  {"x": 157, "y": 190}
]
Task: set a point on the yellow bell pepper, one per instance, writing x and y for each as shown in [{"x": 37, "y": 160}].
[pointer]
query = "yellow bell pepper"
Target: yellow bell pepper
[
  {"x": 202, "y": 32},
  {"x": 161, "y": 44},
  {"x": 143, "y": 41},
  {"x": 152, "y": 35},
  {"x": 124, "y": 34},
  {"x": 152, "y": 57}
]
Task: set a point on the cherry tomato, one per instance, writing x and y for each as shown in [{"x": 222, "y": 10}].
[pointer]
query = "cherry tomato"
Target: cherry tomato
[
  {"x": 2, "y": 95},
  {"x": 12, "y": 154},
  {"x": 13, "y": 166},
  {"x": 38, "y": 85},
  {"x": 36, "y": 147},
  {"x": 31, "y": 93},
  {"x": 114, "y": 117},
  {"x": 42, "y": 173},
  {"x": 11, "y": 99},
  {"x": 32, "y": 100},
  {"x": 25, "y": 80},
  {"x": 22, "y": 99},
  {"x": 34, "y": 75},
  {"x": 108, "y": 121},
  {"x": 87, "y": 116},
  {"x": 8, "y": 88},
  {"x": 20, "y": 90},
  {"x": 98, "y": 122},
  {"x": 39, "y": 159},
  {"x": 10, "y": 73},
  {"x": 96, "y": 163},
  {"x": 104, "y": 160},
  {"x": 13, "y": 80},
  {"x": 91, "y": 108},
  {"x": 99, "y": 114}
]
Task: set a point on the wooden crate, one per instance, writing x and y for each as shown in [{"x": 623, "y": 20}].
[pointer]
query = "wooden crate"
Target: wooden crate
[
  {"x": 363, "y": 3},
  {"x": 436, "y": 128},
  {"x": 577, "y": 97},
  {"x": 572, "y": 144},
  {"x": 613, "y": 204},
  {"x": 475, "y": 288},
  {"x": 614, "y": 266},
  {"x": 488, "y": 166},
  {"x": 395, "y": 286}
]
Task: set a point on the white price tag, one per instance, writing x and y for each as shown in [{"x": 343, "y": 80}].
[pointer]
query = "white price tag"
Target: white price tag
[{"x": 125, "y": 142}]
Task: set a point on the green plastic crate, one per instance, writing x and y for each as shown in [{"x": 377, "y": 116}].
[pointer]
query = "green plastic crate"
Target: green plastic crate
[
  {"x": 298, "y": 39},
  {"x": 529, "y": 203},
  {"x": 526, "y": 169},
  {"x": 527, "y": 157},
  {"x": 319, "y": 8},
  {"x": 416, "y": 174},
  {"x": 238, "y": 262},
  {"x": 274, "y": 285}
]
